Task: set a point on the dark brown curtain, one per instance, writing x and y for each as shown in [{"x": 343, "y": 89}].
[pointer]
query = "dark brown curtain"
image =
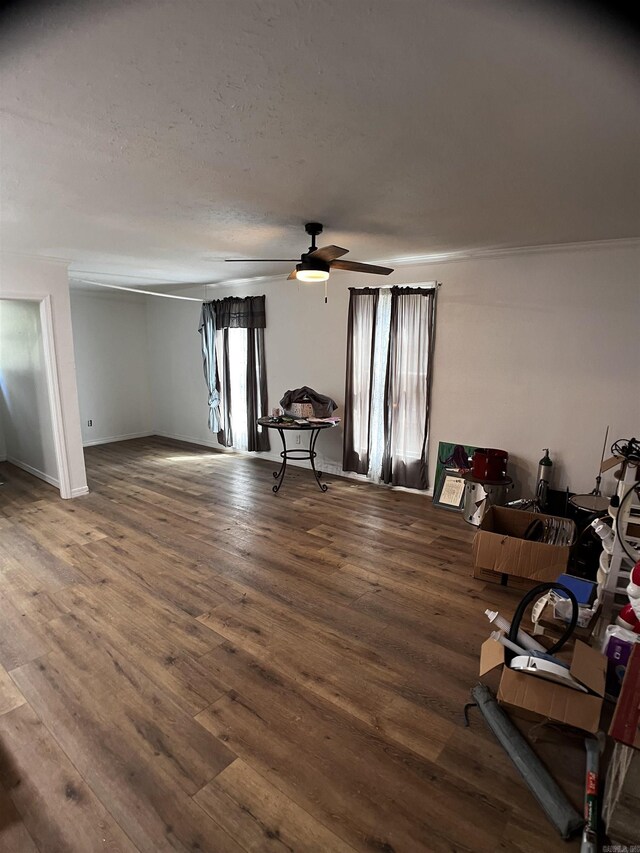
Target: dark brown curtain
[
  {"x": 241, "y": 371},
  {"x": 361, "y": 324},
  {"x": 235, "y": 312},
  {"x": 258, "y": 438}
]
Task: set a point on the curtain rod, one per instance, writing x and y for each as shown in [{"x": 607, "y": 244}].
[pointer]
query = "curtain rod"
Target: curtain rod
[
  {"x": 138, "y": 290},
  {"x": 433, "y": 285}
]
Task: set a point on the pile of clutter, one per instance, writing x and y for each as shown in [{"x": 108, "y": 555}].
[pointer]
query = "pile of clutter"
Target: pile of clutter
[{"x": 547, "y": 682}]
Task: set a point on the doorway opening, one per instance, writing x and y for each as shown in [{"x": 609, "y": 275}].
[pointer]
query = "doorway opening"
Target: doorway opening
[{"x": 32, "y": 435}]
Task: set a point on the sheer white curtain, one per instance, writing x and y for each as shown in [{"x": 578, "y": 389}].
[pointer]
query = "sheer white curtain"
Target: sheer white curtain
[
  {"x": 238, "y": 388},
  {"x": 389, "y": 368},
  {"x": 361, "y": 325},
  {"x": 407, "y": 389},
  {"x": 379, "y": 375}
]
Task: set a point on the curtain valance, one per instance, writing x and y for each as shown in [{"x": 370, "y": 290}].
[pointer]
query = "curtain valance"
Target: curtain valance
[{"x": 235, "y": 312}]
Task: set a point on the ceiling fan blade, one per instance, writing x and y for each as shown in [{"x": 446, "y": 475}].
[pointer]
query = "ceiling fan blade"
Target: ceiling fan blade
[
  {"x": 328, "y": 253},
  {"x": 292, "y": 274},
  {"x": 354, "y": 266},
  {"x": 262, "y": 260}
]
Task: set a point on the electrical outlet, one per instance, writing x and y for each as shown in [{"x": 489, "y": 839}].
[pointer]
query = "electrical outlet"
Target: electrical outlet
[{"x": 89, "y": 423}]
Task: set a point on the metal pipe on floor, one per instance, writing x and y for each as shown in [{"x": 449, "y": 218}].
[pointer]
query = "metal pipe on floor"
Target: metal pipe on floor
[{"x": 541, "y": 784}]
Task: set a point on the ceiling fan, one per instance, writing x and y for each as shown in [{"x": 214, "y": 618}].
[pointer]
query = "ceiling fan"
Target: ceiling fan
[{"x": 316, "y": 263}]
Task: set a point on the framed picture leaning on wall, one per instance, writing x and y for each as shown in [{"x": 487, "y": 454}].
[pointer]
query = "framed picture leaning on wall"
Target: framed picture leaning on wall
[{"x": 454, "y": 460}]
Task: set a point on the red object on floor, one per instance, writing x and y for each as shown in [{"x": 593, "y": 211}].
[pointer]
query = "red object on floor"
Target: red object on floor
[
  {"x": 489, "y": 464},
  {"x": 628, "y": 619}
]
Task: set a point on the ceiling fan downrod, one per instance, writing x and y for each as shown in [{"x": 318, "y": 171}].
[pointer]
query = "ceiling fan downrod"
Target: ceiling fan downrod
[{"x": 313, "y": 229}]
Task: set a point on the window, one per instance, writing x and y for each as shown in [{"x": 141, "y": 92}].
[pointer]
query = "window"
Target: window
[
  {"x": 232, "y": 331},
  {"x": 388, "y": 383}
]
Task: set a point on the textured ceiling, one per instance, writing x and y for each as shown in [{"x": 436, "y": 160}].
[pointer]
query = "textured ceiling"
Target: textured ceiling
[{"x": 148, "y": 140}]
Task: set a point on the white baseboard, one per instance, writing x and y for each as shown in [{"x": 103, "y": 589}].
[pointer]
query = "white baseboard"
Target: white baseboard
[
  {"x": 111, "y": 438},
  {"x": 81, "y": 490},
  {"x": 189, "y": 439},
  {"x": 268, "y": 455},
  {"x": 324, "y": 465},
  {"x": 53, "y": 481}
]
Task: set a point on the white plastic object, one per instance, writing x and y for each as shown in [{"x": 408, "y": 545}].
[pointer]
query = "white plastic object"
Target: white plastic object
[
  {"x": 563, "y": 610},
  {"x": 524, "y": 639},
  {"x": 605, "y": 561},
  {"x": 605, "y": 533},
  {"x": 500, "y": 637},
  {"x": 546, "y": 669},
  {"x": 620, "y": 633}
]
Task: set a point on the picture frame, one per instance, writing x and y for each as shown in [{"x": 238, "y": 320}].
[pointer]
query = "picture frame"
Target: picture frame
[{"x": 454, "y": 460}]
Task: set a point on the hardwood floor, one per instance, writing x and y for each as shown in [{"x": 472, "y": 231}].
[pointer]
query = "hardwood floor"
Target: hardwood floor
[{"x": 192, "y": 663}]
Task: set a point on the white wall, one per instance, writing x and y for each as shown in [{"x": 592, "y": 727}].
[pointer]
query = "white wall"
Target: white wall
[
  {"x": 29, "y": 278},
  {"x": 540, "y": 350},
  {"x": 304, "y": 343},
  {"x": 25, "y": 410},
  {"x": 534, "y": 349},
  {"x": 112, "y": 366},
  {"x": 3, "y": 445}
]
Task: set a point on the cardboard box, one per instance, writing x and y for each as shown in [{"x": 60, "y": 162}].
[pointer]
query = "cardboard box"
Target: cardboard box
[
  {"x": 550, "y": 626},
  {"x": 499, "y": 547},
  {"x": 503, "y": 579},
  {"x": 535, "y": 697}
]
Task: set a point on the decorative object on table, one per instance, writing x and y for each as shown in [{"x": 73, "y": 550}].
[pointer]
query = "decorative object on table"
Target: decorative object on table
[
  {"x": 454, "y": 460},
  {"x": 316, "y": 263},
  {"x": 306, "y": 403}
]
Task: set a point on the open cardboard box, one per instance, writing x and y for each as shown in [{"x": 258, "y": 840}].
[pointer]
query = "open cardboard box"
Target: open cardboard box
[
  {"x": 551, "y": 626},
  {"x": 535, "y": 697},
  {"x": 499, "y": 546}
]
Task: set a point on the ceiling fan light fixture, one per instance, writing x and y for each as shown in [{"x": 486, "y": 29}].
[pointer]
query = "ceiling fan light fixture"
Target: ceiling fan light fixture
[{"x": 312, "y": 273}]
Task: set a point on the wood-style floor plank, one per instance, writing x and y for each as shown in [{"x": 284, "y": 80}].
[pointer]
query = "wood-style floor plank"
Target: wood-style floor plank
[
  {"x": 58, "y": 808},
  {"x": 261, "y": 817},
  {"x": 189, "y": 662},
  {"x": 14, "y": 835},
  {"x": 332, "y": 764}
]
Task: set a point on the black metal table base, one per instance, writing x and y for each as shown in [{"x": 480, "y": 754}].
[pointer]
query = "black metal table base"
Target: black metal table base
[{"x": 301, "y": 453}]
